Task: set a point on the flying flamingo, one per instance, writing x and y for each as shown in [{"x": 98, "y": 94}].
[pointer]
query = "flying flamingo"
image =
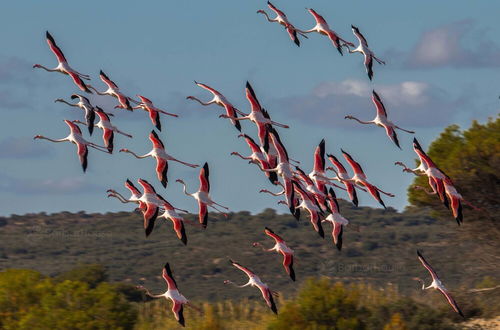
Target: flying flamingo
[
  {"x": 319, "y": 167},
  {"x": 382, "y": 121},
  {"x": 75, "y": 136},
  {"x": 254, "y": 280},
  {"x": 203, "y": 197},
  {"x": 319, "y": 195},
  {"x": 282, "y": 248},
  {"x": 172, "y": 293},
  {"x": 161, "y": 157},
  {"x": 309, "y": 204},
  {"x": 220, "y": 100},
  {"x": 152, "y": 206},
  {"x": 435, "y": 175},
  {"x": 63, "y": 66},
  {"x": 154, "y": 113},
  {"x": 283, "y": 20},
  {"x": 134, "y": 198},
  {"x": 257, "y": 115},
  {"x": 114, "y": 91},
  {"x": 336, "y": 219},
  {"x": 283, "y": 169},
  {"x": 454, "y": 197},
  {"x": 178, "y": 222},
  {"x": 342, "y": 176},
  {"x": 359, "y": 179},
  {"x": 368, "y": 54},
  {"x": 108, "y": 129},
  {"x": 322, "y": 27},
  {"x": 85, "y": 105},
  {"x": 257, "y": 157},
  {"x": 295, "y": 201},
  {"x": 436, "y": 284}
]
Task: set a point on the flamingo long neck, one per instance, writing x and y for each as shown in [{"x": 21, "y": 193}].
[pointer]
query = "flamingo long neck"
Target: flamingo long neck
[
  {"x": 137, "y": 156},
  {"x": 185, "y": 191},
  {"x": 47, "y": 69},
  {"x": 201, "y": 102},
  {"x": 361, "y": 121},
  {"x": 70, "y": 104},
  {"x": 268, "y": 18},
  {"x": 153, "y": 295},
  {"x": 51, "y": 140},
  {"x": 120, "y": 197}
]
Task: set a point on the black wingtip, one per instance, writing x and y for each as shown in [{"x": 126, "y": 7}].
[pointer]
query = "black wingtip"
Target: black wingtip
[
  {"x": 49, "y": 36},
  {"x": 238, "y": 126}
]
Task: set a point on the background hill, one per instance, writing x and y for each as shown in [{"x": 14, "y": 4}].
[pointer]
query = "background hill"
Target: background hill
[{"x": 382, "y": 252}]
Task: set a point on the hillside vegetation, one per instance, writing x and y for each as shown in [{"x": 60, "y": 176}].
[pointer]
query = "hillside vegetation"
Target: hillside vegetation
[{"x": 381, "y": 253}]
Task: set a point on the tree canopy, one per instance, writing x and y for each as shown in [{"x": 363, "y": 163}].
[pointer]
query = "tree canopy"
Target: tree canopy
[{"x": 471, "y": 158}]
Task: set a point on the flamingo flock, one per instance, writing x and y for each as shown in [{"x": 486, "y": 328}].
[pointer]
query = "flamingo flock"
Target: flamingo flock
[{"x": 313, "y": 194}]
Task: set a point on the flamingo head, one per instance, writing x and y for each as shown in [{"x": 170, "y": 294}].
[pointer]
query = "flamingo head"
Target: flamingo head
[{"x": 37, "y": 137}]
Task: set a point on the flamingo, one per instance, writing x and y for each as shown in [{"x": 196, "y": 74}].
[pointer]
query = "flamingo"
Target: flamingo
[
  {"x": 257, "y": 115},
  {"x": 161, "y": 157},
  {"x": 368, "y": 54},
  {"x": 310, "y": 205},
  {"x": 319, "y": 167},
  {"x": 342, "y": 176},
  {"x": 108, "y": 129},
  {"x": 152, "y": 203},
  {"x": 454, "y": 197},
  {"x": 435, "y": 175},
  {"x": 382, "y": 121},
  {"x": 114, "y": 91},
  {"x": 257, "y": 157},
  {"x": 322, "y": 27},
  {"x": 254, "y": 280},
  {"x": 178, "y": 222},
  {"x": 437, "y": 284},
  {"x": 203, "y": 197},
  {"x": 154, "y": 113},
  {"x": 135, "y": 196},
  {"x": 359, "y": 179},
  {"x": 172, "y": 293},
  {"x": 282, "y": 248},
  {"x": 85, "y": 105},
  {"x": 283, "y": 169},
  {"x": 63, "y": 66},
  {"x": 336, "y": 219},
  {"x": 75, "y": 136},
  {"x": 220, "y": 100},
  {"x": 283, "y": 20},
  {"x": 295, "y": 202},
  {"x": 319, "y": 195}
]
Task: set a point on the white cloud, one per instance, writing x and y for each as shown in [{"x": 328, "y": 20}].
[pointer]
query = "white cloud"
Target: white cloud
[
  {"x": 457, "y": 44},
  {"x": 410, "y": 103}
]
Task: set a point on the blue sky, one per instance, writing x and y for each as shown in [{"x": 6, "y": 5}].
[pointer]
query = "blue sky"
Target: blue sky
[{"x": 442, "y": 67}]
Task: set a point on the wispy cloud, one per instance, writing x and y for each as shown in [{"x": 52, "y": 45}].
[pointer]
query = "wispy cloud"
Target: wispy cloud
[
  {"x": 23, "y": 148},
  {"x": 408, "y": 103},
  {"x": 459, "y": 44}
]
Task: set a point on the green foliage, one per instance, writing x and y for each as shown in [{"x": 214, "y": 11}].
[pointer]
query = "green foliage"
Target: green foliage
[
  {"x": 30, "y": 301},
  {"x": 92, "y": 274},
  {"x": 471, "y": 158},
  {"x": 323, "y": 304}
]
